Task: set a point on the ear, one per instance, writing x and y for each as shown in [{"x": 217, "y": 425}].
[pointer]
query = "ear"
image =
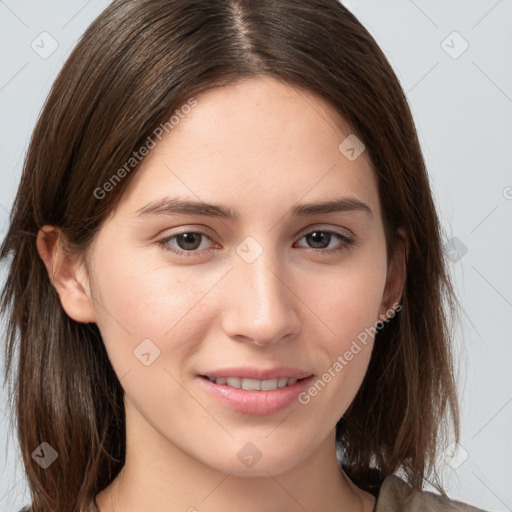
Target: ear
[
  {"x": 397, "y": 274},
  {"x": 67, "y": 274}
]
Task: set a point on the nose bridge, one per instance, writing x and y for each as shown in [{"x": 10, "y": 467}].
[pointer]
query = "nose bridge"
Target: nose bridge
[{"x": 260, "y": 305}]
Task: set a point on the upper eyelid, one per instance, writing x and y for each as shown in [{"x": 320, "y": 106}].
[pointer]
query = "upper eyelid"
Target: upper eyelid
[
  {"x": 340, "y": 231},
  {"x": 202, "y": 231},
  {"x": 318, "y": 227}
]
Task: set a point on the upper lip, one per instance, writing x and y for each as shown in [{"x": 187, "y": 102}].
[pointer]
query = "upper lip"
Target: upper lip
[{"x": 250, "y": 372}]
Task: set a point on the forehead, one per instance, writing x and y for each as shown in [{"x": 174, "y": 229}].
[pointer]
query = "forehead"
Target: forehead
[{"x": 256, "y": 141}]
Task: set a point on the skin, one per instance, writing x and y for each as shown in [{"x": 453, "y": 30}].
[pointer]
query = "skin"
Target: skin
[{"x": 260, "y": 146}]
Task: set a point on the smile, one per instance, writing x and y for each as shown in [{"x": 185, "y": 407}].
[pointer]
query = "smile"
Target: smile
[
  {"x": 254, "y": 396},
  {"x": 254, "y": 384}
]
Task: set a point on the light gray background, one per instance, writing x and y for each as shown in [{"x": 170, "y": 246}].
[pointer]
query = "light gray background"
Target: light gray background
[{"x": 462, "y": 104}]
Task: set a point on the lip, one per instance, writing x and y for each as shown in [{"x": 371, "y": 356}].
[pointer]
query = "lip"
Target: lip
[
  {"x": 257, "y": 403},
  {"x": 250, "y": 372}
]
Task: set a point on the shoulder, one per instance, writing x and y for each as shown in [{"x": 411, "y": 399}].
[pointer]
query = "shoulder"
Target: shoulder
[{"x": 398, "y": 496}]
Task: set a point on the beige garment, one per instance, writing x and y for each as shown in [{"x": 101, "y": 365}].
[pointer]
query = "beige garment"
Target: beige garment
[{"x": 398, "y": 496}]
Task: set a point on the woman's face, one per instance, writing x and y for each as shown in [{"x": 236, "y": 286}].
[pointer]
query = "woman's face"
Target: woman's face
[{"x": 278, "y": 284}]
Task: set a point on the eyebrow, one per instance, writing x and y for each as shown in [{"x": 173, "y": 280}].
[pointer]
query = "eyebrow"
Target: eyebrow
[{"x": 176, "y": 206}]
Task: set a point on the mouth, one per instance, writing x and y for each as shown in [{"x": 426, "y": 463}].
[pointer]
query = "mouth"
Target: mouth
[
  {"x": 241, "y": 390},
  {"x": 254, "y": 384}
]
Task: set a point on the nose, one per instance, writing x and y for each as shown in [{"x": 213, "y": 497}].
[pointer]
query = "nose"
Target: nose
[{"x": 260, "y": 307}]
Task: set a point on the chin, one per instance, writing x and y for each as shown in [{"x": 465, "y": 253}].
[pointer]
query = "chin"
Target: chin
[{"x": 274, "y": 464}]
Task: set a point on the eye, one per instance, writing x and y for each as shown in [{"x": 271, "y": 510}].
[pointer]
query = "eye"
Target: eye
[
  {"x": 322, "y": 239},
  {"x": 188, "y": 243}
]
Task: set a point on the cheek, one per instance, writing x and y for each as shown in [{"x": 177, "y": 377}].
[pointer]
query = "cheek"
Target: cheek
[
  {"x": 137, "y": 299},
  {"x": 346, "y": 303},
  {"x": 347, "y": 300}
]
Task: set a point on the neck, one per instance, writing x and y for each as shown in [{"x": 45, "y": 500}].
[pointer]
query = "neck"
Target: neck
[{"x": 157, "y": 475}]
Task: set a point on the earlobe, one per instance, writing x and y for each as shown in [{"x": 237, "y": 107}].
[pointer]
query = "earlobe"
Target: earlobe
[
  {"x": 397, "y": 274},
  {"x": 67, "y": 275}
]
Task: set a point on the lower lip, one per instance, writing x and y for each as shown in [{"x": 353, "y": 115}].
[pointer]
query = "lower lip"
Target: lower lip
[{"x": 258, "y": 403}]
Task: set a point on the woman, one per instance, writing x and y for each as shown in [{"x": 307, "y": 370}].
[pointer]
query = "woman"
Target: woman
[{"x": 226, "y": 265}]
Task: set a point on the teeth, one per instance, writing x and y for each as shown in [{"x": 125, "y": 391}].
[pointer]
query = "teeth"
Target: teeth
[
  {"x": 254, "y": 384},
  {"x": 268, "y": 385},
  {"x": 234, "y": 382},
  {"x": 281, "y": 383}
]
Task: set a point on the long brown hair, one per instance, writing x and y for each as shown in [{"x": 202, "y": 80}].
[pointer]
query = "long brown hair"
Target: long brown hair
[{"x": 137, "y": 63}]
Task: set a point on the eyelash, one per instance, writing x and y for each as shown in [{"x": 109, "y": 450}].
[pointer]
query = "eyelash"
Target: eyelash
[{"x": 347, "y": 242}]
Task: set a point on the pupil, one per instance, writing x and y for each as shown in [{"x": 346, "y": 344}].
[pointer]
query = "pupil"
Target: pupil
[
  {"x": 319, "y": 237},
  {"x": 184, "y": 239}
]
